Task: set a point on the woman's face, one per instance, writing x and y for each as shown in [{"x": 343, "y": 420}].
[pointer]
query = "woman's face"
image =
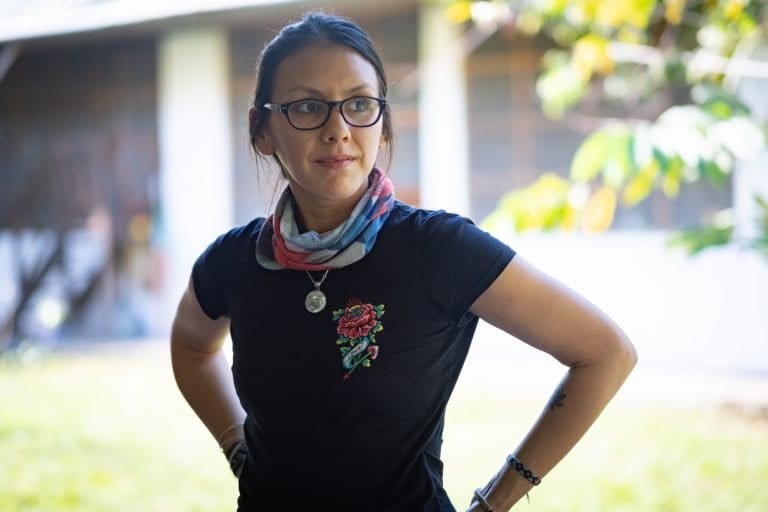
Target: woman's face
[{"x": 329, "y": 165}]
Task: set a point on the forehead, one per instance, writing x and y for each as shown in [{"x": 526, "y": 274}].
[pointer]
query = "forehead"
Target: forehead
[{"x": 330, "y": 69}]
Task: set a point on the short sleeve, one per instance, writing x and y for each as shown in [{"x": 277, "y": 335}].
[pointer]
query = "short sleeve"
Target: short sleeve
[
  {"x": 460, "y": 261},
  {"x": 207, "y": 280}
]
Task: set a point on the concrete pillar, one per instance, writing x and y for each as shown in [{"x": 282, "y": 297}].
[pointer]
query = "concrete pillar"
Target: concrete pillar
[
  {"x": 443, "y": 130},
  {"x": 196, "y": 168},
  {"x": 751, "y": 177}
]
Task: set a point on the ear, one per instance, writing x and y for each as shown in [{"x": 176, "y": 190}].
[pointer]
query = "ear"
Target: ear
[
  {"x": 382, "y": 140},
  {"x": 262, "y": 140}
]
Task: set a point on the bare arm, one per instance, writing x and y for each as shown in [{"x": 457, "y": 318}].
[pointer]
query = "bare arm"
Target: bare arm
[
  {"x": 547, "y": 315},
  {"x": 201, "y": 370}
]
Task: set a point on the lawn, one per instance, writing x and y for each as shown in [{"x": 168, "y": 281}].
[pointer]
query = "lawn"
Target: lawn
[{"x": 108, "y": 431}]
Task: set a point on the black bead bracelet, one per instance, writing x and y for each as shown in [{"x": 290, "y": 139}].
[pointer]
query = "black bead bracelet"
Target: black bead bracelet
[{"x": 524, "y": 471}]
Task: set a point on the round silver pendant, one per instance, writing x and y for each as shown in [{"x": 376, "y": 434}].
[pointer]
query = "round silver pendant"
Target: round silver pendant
[{"x": 315, "y": 301}]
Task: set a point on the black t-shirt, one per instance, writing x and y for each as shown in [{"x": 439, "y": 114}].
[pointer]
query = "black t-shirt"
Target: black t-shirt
[{"x": 365, "y": 436}]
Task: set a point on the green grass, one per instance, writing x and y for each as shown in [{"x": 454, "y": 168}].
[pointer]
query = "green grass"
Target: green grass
[
  {"x": 110, "y": 432},
  {"x": 664, "y": 459}
]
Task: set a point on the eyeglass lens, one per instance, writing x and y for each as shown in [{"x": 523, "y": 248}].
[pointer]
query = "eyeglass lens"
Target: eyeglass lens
[{"x": 358, "y": 111}]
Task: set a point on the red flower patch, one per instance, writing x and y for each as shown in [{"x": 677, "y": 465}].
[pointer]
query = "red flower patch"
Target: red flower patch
[{"x": 357, "y": 326}]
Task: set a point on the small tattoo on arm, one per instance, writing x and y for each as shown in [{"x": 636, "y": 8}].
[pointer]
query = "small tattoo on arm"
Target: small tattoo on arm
[{"x": 558, "y": 399}]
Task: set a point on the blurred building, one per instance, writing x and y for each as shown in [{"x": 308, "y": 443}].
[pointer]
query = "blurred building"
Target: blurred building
[{"x": 124, "y": 147}]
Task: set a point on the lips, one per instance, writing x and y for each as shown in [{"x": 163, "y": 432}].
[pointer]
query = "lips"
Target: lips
[
  {"x": 335, "y": 159},
  {"x": 336, "y": 162}
]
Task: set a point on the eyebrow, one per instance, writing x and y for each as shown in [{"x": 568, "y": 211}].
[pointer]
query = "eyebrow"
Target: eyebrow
[{"x": 317, "y": 92}]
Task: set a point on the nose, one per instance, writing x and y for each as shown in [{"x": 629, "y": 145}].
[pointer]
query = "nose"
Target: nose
[{"x": 336, "y": 128}]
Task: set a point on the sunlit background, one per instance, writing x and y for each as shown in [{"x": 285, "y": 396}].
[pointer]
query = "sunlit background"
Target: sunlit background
[{"x": 618, "y": 145}]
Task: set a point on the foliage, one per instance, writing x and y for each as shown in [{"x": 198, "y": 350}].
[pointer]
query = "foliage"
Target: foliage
[
  {"x": 670, "y": 68},
  {"x": 761, "y": 243}
]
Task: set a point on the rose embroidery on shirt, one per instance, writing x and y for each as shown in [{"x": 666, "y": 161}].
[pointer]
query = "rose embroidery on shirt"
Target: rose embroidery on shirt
[{"x": 357, "y": 326}]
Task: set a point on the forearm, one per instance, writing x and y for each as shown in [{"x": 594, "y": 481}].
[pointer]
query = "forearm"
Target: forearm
[
  {"x": 574, "y": 406},
  {"x": 205, "y": 380}
]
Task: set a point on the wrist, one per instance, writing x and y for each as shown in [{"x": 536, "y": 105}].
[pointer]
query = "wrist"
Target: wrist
[
  {"x": 512, "y": 483},
  {"x": 522, "y": 470},
  {"x": 230, "y": 436},
  {"x": 236, "y": 457}
]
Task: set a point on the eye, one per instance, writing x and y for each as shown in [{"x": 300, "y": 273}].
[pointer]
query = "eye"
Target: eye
[
  {"x": 307, "y": 107},
  {"x": 360, "y": 104}
]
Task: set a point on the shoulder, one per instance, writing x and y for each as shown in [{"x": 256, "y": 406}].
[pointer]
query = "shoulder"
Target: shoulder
[
  {"x": 240, "y": 240},
  {"x": 421, "y": 222},
  {"x": 441, "y": 233}
]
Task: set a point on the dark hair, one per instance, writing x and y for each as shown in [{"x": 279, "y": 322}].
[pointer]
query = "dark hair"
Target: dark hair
[{"x": 314, "y": 27}]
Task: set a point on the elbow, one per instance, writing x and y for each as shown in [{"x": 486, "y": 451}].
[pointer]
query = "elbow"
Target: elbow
[
  {"x": 615, "y": 354},
  {"x": 624, "y": 354},
  {"x": 631, "y": 357}
]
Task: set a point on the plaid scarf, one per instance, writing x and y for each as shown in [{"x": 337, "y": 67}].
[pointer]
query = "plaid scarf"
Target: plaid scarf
[{"x": 280, "y": 244}]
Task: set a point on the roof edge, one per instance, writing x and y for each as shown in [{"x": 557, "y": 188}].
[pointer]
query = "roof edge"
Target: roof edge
[{"x": 123, "y": 13}]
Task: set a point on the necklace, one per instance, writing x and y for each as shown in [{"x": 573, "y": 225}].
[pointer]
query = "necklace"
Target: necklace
[{"x": 315, "y": 299}]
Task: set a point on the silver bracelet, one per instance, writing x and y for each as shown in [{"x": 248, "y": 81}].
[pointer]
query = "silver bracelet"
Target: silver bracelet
[
  {"x": 227, "y": 431},
  {"x": 483, "y": 502}
]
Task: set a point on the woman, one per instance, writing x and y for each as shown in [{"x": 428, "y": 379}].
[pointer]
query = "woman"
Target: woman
[{"x": 351, "y": 313}]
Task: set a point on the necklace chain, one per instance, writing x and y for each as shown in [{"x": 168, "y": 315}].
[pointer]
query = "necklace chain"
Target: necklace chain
[{"x": 319, "y": 283}]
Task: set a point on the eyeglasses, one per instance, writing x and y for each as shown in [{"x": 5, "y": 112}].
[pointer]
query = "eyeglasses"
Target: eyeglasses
[{"x": 310, "y": 114}]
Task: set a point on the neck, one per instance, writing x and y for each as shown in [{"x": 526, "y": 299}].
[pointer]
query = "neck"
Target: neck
[
  {"x": 319, "y": 220},
  {"x": 322, "y": 216}
]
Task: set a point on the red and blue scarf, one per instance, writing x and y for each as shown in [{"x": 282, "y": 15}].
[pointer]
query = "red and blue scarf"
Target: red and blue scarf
[{"x": 280, "y": 245}]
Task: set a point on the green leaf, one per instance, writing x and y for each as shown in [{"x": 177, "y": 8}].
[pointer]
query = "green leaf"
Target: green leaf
[
  {"x": 559, "y": 89},
  {"x": 694, "y": 241},
  {"x": 609, "y": 150},
  {"x": 713, "y": 172},
  {"x": 762, "y": 218},
  {"x": 762, "y": 203},
  {"x": 641, "y": 185},
  {"x": 542, "y": 205},
  {"x": 619, "y": 164},
  {"x": 591, "y": 157},
  {"x": 724, "y": 107},
  {"x": 673, "y": 172}
]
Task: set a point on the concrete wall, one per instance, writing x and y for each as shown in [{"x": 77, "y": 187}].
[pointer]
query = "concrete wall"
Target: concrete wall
[{"x": 707, "y": 312}]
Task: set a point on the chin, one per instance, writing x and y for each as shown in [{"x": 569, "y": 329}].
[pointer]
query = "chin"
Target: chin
[
  {"x": 345, "y": 193},
  {"x": 348, "y": 186}
]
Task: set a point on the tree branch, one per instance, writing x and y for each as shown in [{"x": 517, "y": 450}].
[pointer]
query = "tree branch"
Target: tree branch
[{"x": 703, "y": 61}]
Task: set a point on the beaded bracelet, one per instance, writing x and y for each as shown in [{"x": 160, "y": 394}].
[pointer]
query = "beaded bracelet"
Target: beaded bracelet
[
  {"x": 236, "y": 457},
  {"x": 483, "y": 502},
  {"x": 524, "y": 471}
]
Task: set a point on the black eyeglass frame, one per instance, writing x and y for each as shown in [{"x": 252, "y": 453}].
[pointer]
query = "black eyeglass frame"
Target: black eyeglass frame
[{"x": 283, "y": 107}]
